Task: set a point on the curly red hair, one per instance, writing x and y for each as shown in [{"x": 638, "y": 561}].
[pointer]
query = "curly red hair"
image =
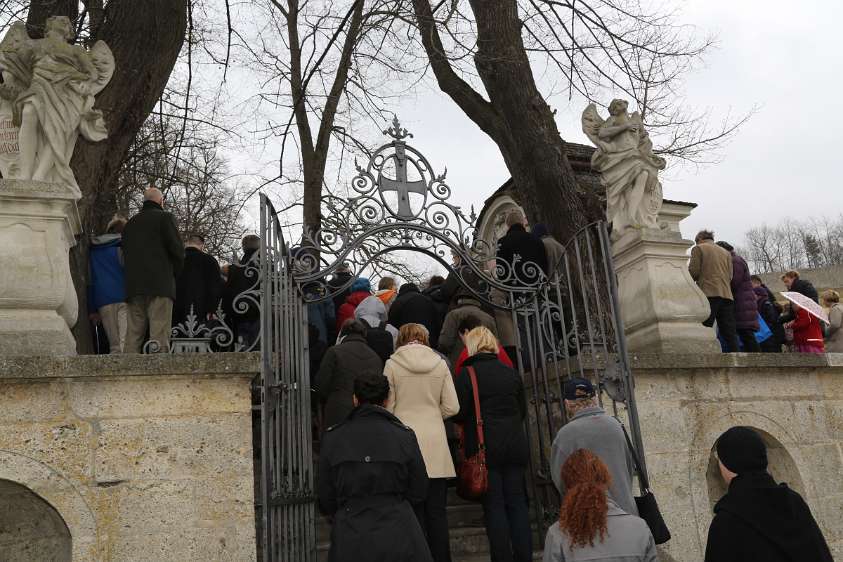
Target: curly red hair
[{"x": 584, "y": 510}]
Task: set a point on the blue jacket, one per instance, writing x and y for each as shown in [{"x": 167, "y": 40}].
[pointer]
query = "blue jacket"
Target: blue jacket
[{"x": 107, "y": 285}]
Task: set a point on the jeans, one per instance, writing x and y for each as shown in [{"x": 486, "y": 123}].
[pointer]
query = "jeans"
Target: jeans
[
  {"x": 507, "y": 515},
  {"x": 723, "y": 310},
  {"x": 433, "y": 518}
]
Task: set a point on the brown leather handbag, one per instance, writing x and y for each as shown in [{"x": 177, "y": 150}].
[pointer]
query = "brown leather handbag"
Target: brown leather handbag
[{"x": 473, "y": 474}]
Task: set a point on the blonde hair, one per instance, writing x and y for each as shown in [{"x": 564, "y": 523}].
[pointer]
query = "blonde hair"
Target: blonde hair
[
  {"x": 410, "y": 333},
  {"x": 792, "y": 274},
  {"x": 480, "y": 340},
  {"x": 831, "y": 296}
]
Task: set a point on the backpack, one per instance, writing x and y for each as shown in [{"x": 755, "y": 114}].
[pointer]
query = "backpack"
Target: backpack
[{"x": 380, "y": 340}]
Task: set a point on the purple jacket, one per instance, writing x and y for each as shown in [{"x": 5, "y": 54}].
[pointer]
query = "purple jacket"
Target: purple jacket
[{"x": 746, "y": 307}]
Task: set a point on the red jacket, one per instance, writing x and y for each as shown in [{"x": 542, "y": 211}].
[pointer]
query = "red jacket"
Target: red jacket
[
  {"x": 502, "y": 357},
  {"x": 807, "y": 329},
  {"x": 346, "y": 309}
]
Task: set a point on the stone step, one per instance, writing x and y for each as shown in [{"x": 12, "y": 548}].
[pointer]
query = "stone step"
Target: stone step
[
  {"x": 459, "y": 515},
  {"x": 465, "y": 541}
]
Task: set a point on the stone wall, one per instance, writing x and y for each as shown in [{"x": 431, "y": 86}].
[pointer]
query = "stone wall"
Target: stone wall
[
  {"x": 143, "y": 457},
  {"x": 686, "y": 401}
]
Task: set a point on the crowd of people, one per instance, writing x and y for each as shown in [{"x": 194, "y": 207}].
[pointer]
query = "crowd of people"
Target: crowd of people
[
  {"x": 747, "y": 314},
  {"x": 393, "y": 371},
  {"x": 144, "y": 280}
]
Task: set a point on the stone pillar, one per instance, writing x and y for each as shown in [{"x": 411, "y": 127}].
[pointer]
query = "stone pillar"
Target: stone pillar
[
  {"x": 662, "y": 307},
  {"x": 38, "y": 306}
]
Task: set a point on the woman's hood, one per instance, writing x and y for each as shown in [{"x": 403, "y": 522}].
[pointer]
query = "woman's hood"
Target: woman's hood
[{"x": 416, "y": 358}]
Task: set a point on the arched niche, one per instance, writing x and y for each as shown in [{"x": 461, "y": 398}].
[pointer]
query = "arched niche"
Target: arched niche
[
  {"x": 493, "y": 226},
  {"x": 31, "y": 530},
  {"x": 780, "y": 465},
  {"x": 61, "y": 494}
]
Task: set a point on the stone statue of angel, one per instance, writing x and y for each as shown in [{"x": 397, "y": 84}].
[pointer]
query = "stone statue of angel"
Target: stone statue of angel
[
  {"x": 55, "y": 85},
  {"x": 627, "y": 166}
]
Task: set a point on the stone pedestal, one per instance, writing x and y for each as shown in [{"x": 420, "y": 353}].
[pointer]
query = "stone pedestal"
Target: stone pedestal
[
  {"x": 662, "y": 307},
  {"x": 38, "y": 305}
]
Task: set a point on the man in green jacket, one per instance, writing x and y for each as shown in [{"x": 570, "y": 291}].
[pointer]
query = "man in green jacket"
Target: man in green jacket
[{"x": 154, "y": 255}]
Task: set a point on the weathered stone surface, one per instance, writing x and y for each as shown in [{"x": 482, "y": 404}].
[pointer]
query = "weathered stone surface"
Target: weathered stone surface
[
  {"x": 38, "y": 222},
  {"x": 143, "y": 457}
]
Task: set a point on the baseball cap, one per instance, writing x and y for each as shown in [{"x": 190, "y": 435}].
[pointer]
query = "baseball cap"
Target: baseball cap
[{"x": 578, "y": 388}]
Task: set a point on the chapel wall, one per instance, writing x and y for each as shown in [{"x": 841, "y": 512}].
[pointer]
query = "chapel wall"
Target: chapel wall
[
  {"x": 685, "y": 403},
  {"x": 143, "y": 457}
]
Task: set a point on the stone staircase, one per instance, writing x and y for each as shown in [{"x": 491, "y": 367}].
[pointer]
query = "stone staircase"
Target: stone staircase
[{"x": 468, "y": 536}]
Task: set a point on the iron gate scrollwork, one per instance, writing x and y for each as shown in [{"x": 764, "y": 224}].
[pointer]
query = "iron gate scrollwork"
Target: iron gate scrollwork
[{"x": 564, "y": 318}]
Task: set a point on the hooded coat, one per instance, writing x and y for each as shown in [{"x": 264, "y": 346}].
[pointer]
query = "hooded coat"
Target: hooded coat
[
  {"x": 334, "y": 383},
  {"x": 746, "y": 309},
  {"x": 360, "y": 290},
  {"x": 759, "y": 520},
  {"x": 108, "y": 282},
  {"x": 422, "y": 395},
  {"x": 380, "y": 336},
  {"x": 370, "y": 473}
]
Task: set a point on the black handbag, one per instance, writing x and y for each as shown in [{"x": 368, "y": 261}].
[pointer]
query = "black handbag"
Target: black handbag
[{"x": 648, "y": 508}]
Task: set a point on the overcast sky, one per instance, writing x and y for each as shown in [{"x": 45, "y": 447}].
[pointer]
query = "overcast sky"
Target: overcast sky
[{"x": 781, "y": 56}]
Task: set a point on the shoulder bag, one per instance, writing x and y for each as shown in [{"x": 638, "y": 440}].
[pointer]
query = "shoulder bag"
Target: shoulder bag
[
  {"x": 473, "y": 474},
  {"x": 648, "y": 509}
]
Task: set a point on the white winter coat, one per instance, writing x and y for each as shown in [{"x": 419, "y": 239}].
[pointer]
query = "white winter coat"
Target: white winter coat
[{"x": 422, "y": 395}]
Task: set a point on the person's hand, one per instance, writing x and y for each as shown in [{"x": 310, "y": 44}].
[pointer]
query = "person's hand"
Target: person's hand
[
  {"x": 94, "y": 317},
  {"x": 788, "y": 324}
]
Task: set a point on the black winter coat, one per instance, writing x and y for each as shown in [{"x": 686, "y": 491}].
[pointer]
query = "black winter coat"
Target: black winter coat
[
  {"x": 806, "y": 288},
  {"x": 243, "y": 277},
  {"x": 371, "y": 471},
  {"x": 759, "y": 520},
  {"x": 502, "y": 405},
  {"x": 337, "y": 281},
  {"x": 199, "y": 285},
  {"x": 334, "y": 383},
  {"x": 770, "y": 314},
  {"x": 746, "y": 309},
  {"x": 530, "y": 250},
  {"x": 440, "y": 301},
  {"x": 153, "y": 253},
  {"x": 410, "y": 306}
]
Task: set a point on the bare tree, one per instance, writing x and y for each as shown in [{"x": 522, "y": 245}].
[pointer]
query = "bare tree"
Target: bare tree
[
  {"x": 817, "y": 242},
  {"x": 595, "y": 47},
  {"x": 199, "y": 190}
]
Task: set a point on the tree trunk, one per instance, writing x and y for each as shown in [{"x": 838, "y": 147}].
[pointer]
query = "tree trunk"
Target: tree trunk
[
  {"x": 515, "y": 117},
  {"x": 145, "y": 38},
  {"x": 40, "y": 10},
  {"x": 530, "y": 142}
]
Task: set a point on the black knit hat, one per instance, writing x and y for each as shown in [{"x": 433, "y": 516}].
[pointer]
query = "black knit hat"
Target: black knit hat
[{"x": 741, "y": 449}]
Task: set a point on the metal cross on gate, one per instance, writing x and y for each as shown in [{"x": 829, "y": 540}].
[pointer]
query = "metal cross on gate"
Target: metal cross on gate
[{"x": 400, "y": 184}]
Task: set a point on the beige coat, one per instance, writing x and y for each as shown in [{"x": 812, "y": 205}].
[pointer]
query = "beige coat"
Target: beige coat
[
  {"x": 421, "y": 395},
  {"x": 834, "y": 340},
  {"x": 711, "y": 268}
]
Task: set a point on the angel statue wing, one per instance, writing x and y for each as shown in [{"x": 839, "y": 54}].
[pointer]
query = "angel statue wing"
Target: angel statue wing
[
  {"x": 103, "y": 61},
  {"x": 591, "y": 123}
]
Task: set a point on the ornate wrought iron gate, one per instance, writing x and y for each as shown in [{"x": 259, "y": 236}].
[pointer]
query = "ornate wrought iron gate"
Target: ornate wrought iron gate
[
  {"x": 287, "y": 497},
  {"x": 565, "y": 320}
]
